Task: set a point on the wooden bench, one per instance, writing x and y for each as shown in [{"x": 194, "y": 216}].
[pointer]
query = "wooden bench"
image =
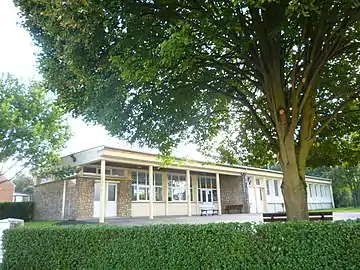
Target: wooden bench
[
  {"x": 313, "y": 216},
  {"x": 208, "y": 208},
  {"x": 237, "y": 207}
]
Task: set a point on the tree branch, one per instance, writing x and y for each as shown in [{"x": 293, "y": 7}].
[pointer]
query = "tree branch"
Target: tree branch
[{"x": 332, "y": 117}]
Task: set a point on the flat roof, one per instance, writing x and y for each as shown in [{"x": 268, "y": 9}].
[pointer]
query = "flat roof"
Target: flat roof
[{"x": 103, "y": 147}]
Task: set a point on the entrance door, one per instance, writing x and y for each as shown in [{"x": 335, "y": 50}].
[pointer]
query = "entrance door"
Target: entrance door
[
  {"x": 206, "y": 195},
  {"x": 111, "y": 200}
]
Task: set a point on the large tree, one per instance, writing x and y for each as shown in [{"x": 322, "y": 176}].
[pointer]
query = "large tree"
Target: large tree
[
  {"x": 161, "y": 71},
  {"x": 33, "y": 128}
]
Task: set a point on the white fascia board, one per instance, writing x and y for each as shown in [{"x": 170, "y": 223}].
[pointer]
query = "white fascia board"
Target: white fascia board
[{"x": 83, "y": 157}]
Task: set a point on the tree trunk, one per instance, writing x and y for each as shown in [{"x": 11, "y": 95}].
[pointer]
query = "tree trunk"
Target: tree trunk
[
  {"x": 295, "y": 195},
  {"x": 293, "y": 185}
]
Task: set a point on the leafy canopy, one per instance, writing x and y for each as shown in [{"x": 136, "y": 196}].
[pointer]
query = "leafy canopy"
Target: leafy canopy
[
  {"x": 158, "y": 72},
  {"x": 32, "y": 126}
]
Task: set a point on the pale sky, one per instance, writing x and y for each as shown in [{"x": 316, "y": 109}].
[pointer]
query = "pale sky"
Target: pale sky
[{"x": 17, "y": 56}]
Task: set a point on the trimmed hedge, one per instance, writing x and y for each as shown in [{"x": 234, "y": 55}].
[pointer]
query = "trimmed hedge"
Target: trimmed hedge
[
  {"x": 291, "y": 245},
  {"x": 21, "y": 210}
]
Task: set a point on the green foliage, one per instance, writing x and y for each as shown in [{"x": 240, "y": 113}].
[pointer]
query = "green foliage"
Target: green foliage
[
  {"x": 32, "y": 126},
  {"x": 277, "y": 77},
  {"x": 24, "y": 184},
  {"x": 302, "y": 245},
  {"x": 189, "y": 71},
  {"x": 21, "y": 210}
]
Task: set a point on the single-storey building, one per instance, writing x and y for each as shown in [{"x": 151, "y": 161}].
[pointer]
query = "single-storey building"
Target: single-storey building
[{"x": 113, "y": 182}]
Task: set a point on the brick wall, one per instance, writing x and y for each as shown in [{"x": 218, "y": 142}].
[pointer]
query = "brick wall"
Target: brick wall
[
  {"x": 48, "y": 200},
  {"x": 85, "y": 198},
  {"x": 232, "y": 191},
  {"x": 124, "y": 198}
]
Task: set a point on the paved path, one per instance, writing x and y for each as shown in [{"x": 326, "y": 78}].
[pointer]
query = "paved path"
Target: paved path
[{"x": 205, "y": 219}]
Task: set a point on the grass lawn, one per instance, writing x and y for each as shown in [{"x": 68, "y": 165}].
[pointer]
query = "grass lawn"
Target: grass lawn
[
  {"x": 347, "y": 209},
  {"x": 37, "y": 224}
]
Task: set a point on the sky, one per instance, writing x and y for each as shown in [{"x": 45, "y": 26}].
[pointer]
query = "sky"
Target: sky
[{"x": 17, "y": 56}]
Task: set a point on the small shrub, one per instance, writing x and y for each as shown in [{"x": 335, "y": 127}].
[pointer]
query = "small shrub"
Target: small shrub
[
  {"x": 299, "y": 245},
  {"x": 20, "y": 210}
]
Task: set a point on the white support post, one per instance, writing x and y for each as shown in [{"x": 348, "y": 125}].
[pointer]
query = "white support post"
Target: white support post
[
  {"x": 63, "y": 201},
  {"x": 102, "y": 192},
  {"x": 218, "y": 193},
  {"x": 151, "y": 192},
  {"x": 188, "y": 192}
]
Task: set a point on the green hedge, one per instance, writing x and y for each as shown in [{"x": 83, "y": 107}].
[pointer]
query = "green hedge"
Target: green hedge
[
  {"x": 302, "y": 245},
  {"x": 21, "y": 210}
]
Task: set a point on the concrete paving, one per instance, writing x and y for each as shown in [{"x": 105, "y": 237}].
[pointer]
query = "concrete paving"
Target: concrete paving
[{"x": 257, "y": 218}]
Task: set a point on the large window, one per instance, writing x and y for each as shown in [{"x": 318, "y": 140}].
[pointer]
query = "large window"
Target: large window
[
  {"x": 140, "y": 186},
  {"x": 176, "y": 187},
  {"x": 207, "y": 189}
]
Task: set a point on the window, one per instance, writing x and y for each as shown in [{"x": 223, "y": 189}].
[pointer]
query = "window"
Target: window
[
  {"x": 310, "y": 190},
  {"x": 276, "y": 187},
  {"x": 89, "y": 170},
  {"x": 322, "y": 191},
  {"x": 257, "y": 181},
  {"x": 267, "y": 187},
  {"x": 111, "y": 192},
  {"x": 207, "y": 189},
  {"x": 119, "y": 172},
  {"x": 176, "y": 187},
  {"x": 140, "y": 186},
  {"x": 315, "y": 189},
  {"x": 97, "y": 192}
]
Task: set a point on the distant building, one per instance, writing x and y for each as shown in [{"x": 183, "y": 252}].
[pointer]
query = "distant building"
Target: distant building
[{"x": 6, "y": 190}]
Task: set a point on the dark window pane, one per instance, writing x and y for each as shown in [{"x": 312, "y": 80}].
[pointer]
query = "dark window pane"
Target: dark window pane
[
  {"x": 141, "y": 178},
  {"x": 208, "y": 182},
  {"x": 203, "y": 195},
  {"x": 158, "y": 194},
  {"x": 89, "y": 170},
  {"x": 169, "y": 194},
  {"x": 134, "y": 178},
  {"x": 134, "y": 193},
  {"x": 213, "y": 183},
  {"x": 118, "y": 172},
  {"x": 111, "y": 192},
  {"x": 215, "y": 195},
  {"x": 203, "y": 182},
  {"x": 158, "y": 179},
  {"x": 209, "y": 196}
]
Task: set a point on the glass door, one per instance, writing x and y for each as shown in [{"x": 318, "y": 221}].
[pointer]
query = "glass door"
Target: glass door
[{"x": 206, "y": 195}]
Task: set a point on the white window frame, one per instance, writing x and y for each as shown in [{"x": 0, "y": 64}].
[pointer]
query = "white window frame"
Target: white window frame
[
  {"x": 171, "y": 187},
  {"x": 137, "y": 186},
  {"x": 268, "y": 191},
  {"x": 212, "y": 180},
  {"x": 108, "y": 168}
]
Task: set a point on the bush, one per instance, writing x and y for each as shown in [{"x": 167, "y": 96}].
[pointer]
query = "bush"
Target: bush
[
  {"x": 21, "y": 210},
  {"x": 302, "y": 245}
]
